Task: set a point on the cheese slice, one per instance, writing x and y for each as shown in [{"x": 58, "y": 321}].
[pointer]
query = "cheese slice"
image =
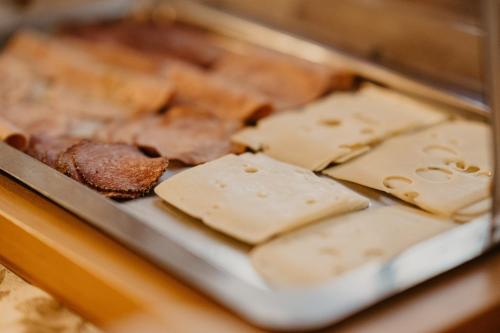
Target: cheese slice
[
  {"x": 472, "y": 211},
  {"x": 441, "y": 169},
  {"x": 253, "y": 197},
  {"x": 320, "y": 252},
  {"x": 338, "y": 128}
]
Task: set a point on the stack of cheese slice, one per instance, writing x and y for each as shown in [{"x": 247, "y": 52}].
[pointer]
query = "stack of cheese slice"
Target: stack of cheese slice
[
  {"x": 253, "y": 197},
  {"x": 339, "y": 127},
  {"x": 445, "y": 169},
  {"x": 320, "y": 252}
]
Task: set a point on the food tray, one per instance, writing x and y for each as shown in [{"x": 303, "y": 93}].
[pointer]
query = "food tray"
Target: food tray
[{"x": 220, "y": 266}]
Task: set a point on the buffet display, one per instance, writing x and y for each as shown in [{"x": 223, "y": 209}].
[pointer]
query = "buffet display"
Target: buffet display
[{"x": 271, "y": 167}]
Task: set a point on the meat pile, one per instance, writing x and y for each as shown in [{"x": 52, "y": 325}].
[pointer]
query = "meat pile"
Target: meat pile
[{"x": 109, "y": 104}]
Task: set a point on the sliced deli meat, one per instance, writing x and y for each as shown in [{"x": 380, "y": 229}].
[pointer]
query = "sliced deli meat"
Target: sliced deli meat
[
  {"x": 12, "y": 135},
  {"x": 318, "y": 253},
  {"x": 126, "y": 130},
  {"x": 442, "y": 169},
  {"x": 66, "y": 164},
  {"x": 117, "y": 167},
  {"x": 22, "y": 85},
  {"x": 338, "y": 127},
  {"x": 287, "y": 81},
  {"x": 226, "y": 100},
  {"x": 158, "y": 39},
  {"x": 38, "y": 119},
  {"x": 18, "y": 82},
  {"x": 48, "y": 149},
  {"x": 253, "y": 197},
  {"x": 52, "y": 57},
  {"x": 190, "y": 136},
  {"x": 185, "y": 134},
  {"x": 118, "y": 171},
  {"x": 116, "y": 54}
]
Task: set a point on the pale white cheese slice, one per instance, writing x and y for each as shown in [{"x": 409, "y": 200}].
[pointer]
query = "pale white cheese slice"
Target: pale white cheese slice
[
  {"x": 253, "y": 197},
  {"x": 338, "y": 127},
  {"x": 318, "y": 253},
  {"x": 441, "y": 169}
]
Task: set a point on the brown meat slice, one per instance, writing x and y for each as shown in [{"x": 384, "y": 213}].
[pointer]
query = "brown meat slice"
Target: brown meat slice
[
  {"x": 66, "y": 164},
  {"x": 289, "y": 82},
  {"x": 116, "y": 167},
  {"x": 158, "y": 39},
  {"x": 188, "y": 135},
  {"x": 126, "y": 130},
  {"x": 203, "y": 91},
  {"x": 116, "y": 54},
  {"x": 37, "y": 119},
  {"x": 48, "y": 149},
  {"x": 12, "y": 135},
  {"x": 20, "y": 84},
  {"x": 53, "y": 58},
  {"x": 122, "y": 195}
]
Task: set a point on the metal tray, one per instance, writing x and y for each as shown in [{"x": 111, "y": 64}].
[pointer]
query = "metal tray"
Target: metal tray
[{"x": 218, "y": 265}]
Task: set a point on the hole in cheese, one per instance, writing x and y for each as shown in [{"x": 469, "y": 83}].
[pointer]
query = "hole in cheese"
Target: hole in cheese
[
  {"x": 251, "y": 169},
  {"x": 439, "y": 151},
  {"x": 367, "y": 130},
  {"x": 393, "y": 182},
  {"x": 434, "y": 174},
  {"x": 331, "y": 122}
]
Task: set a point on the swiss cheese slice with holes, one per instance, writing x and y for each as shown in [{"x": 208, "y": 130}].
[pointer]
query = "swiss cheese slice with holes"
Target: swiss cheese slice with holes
[
  {"x": 253, "y": 197},
  {"x": 338, "y": 127},
  {"x": 442, "y": 169},
  {"x": 317, "y": 253}
]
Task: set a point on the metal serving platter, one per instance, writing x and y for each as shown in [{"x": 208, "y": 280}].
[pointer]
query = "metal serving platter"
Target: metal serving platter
[{"x": 220, "y": 266}]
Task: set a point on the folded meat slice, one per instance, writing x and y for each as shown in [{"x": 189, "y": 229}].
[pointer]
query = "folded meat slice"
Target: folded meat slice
[
  {"x": 189, "y": 136},
  {"x": 117, "y": 167},
  {"x": 47, "y": 149},
  {"x": 12, "y": 135},
  {"x": 289, "y": 82},
  {"x": 157, "y": 39},
  {"x": 211, "y": 93},
  {"x": 56, "y": 59}
]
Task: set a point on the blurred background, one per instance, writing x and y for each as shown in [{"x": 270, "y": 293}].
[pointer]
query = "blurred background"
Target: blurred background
[{"x": 438, "y": 40}]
